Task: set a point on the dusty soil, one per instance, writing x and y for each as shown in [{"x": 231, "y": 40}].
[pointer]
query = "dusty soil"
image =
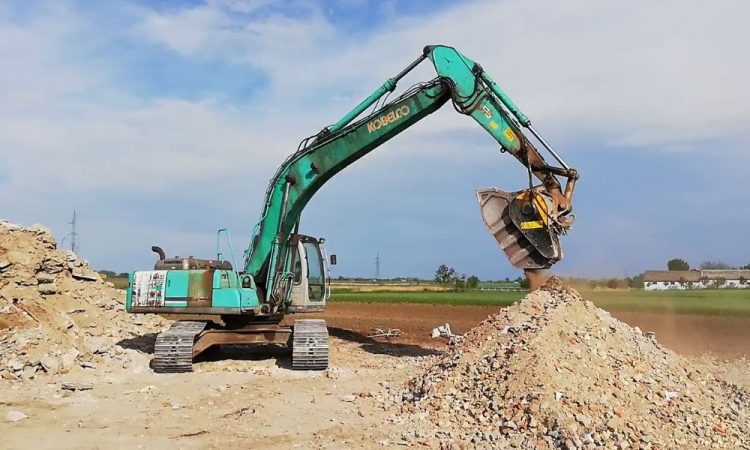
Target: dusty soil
[
  {"x": 239, "y": 399},
  {"x": 74, "y": 368},
  {"x": 254, "y": 401}
]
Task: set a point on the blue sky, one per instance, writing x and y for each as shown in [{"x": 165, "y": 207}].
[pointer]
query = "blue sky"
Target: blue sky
[{"x": 160, "y": 122}]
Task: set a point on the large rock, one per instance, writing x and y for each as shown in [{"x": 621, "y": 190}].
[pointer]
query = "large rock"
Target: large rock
[
  {"x": 50, "y": 364},
  {"x": 68, "y": 359},
  {"x": 45, "y": 277},
  {"x": 15, "y": 416}
]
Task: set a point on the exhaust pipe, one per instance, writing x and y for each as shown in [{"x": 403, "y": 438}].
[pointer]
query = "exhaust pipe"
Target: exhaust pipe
[{"x": 156, "y": 249}]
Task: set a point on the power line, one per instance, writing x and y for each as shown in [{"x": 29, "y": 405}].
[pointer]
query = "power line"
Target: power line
[
  {"x": 377, "y": 266},
  {"x": 73, "y": 233}
]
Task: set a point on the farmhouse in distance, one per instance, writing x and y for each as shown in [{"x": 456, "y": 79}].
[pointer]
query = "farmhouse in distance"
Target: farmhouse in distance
[{"x": 663, "y": 280}]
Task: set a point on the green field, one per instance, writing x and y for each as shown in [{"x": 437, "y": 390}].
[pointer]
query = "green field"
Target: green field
[
  {"x": 709, "y": 301},
  {"x": 430, "y": 297}
]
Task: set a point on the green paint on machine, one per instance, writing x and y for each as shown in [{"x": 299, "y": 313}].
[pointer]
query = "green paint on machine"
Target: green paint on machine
[{"x": 185, "y": 289}]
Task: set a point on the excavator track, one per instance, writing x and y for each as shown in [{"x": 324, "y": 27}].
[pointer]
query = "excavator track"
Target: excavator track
[
  {"x": 173, "y": 351},
  {"x": 310, "y": 345}
]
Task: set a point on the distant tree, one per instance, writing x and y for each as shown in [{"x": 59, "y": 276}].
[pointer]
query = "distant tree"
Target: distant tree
[
  {"x": 524, "y": 283},
  {"x": 715, "y": 265},
  {"x": 612, "y": 283},
  {"x": 108, "y": 273},
  {"x": 677, "y": 264},
  {"x": 459, "y": 282},
  {"x": 635, "y": 282},
  {"x": 747, "y": 267},
  {"x": 123, "y": 275},
  {"x": 472, "y": 282},
  {"x": 444, "y": 275}
]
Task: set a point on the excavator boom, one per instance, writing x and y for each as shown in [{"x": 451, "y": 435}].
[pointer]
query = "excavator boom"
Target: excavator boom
[{"x": 473, "y": 93}]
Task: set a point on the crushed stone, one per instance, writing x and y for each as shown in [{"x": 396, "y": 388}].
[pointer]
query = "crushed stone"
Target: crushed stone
[
  {"x": 56, "y": 313},
  {"x": 553, "y": 371}
]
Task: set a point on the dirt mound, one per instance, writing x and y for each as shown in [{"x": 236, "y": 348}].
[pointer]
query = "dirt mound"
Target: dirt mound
[
  {"x": 554, "y": 371},
  {"x": 56, "y": 313}
]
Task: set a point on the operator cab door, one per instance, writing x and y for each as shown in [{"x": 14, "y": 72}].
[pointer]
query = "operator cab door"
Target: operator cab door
[{"x": 310, "y": 289}]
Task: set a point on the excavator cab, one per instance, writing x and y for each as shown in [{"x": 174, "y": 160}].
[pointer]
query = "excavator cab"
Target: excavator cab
[{"x": 309, "y": 264}]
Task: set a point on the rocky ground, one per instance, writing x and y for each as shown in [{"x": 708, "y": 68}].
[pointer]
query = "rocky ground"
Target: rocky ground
[
  {"x": 56, "y": 314},
  {"x": 552, "y": 371}
]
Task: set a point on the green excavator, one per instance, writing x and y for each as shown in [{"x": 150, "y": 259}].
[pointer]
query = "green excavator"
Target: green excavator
[{"x": 287, "y": 272}]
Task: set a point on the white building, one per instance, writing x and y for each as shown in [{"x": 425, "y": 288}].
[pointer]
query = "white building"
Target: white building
[{"x": 662, "y": 280}]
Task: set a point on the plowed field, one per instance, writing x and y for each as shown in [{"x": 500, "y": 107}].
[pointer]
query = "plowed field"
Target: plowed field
[{"x": 688, "y": 334}]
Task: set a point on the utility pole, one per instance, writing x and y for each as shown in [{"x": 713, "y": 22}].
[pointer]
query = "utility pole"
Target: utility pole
[
  {"x": 73, "y": 233},
  {"x": 377, "y": 266}
]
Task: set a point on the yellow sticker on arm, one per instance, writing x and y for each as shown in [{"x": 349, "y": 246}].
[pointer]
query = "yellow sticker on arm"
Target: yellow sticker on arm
[
  {"x": 493, "y": 125},
  {"x": 509, "y": 134}
]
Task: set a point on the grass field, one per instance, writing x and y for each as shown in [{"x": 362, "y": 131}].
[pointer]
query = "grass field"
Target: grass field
[
  {"x": 709, "y": 302},
  {"x": 724, "y": 302}
]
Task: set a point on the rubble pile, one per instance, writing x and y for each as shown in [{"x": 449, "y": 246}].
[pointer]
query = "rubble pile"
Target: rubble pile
[
  {"x": 554, "y": 371},
  {"x": 56, "y": 314}
]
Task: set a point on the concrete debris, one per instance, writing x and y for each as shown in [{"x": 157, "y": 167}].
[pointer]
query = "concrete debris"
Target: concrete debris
[
  {"x": 443, "y": 331},
  {"x": 50, "y": 364},
  {"x": 386, "y": 333},
  {"x": 58, "y": 314},
  {"x": 71, "y": 386},
  {"x": 15, "y": 416},
  {"x": 555, "y": 372}
]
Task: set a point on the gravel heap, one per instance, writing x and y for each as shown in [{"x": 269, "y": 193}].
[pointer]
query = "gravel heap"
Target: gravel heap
[
  {"x": 554, "y": 371},
  {"x": 56, "y": 314}
]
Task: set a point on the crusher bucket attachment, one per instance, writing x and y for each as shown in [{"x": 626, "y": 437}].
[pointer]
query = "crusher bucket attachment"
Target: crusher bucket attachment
[{"x": 520, "y": 224}]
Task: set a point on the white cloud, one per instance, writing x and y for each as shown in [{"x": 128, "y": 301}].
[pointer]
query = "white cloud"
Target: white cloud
[
  {"x": 667, "y": 74},
  {"x": 646, "y": 73}
]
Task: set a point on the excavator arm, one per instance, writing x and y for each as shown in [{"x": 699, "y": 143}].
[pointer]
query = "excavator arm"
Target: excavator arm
[
  {"x": 284, "y": 271},
  {"x": 539, "y": 214}
]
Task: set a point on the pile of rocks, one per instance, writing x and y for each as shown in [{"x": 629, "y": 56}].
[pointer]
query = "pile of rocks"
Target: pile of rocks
[
  {"x": 55, "y": 312},
  {"x": 554, "y": 371}
]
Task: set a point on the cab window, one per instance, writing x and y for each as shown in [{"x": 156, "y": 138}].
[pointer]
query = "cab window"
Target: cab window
[{"x": 315, "y": 275}]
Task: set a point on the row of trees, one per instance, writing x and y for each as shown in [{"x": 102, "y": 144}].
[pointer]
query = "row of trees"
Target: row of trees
[
  {"x": 111, "y": 274},
  {"x": 448, "y": 277},
  {"x": 681, "y": 264}
]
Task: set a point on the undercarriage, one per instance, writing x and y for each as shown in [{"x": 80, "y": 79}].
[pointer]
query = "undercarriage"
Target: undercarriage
[{"x": 176, "y": 348}]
